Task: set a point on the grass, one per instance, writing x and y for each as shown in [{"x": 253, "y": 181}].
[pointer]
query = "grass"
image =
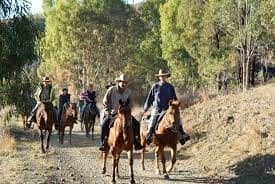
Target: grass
[{"x": 7, "y": 142}]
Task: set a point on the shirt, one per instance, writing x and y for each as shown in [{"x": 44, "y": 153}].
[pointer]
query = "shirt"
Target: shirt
[
  {"x": 112, "y": 97},
  {"x": 159, "y": 96}
]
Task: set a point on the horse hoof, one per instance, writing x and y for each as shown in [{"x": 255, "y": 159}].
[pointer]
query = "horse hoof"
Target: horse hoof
[
  {"x": 113, "y": 181},
  {"x": 166, "y": 176},
  {"x": 132, "y": 182},
  {"x": 103, "y": 171}
]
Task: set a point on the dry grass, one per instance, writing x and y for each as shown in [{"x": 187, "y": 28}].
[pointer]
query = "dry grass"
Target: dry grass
[{"x": 7, "y": 143}]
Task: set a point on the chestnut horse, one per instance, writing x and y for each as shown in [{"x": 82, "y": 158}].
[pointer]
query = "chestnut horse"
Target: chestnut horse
[
  {"x": 166, "y": 135},
  {"x": 68, "y": 118},
  {"x": 89, "y": 116},
  {"x": 45, "y": 120},
  {"x": 120, "y": 138}
]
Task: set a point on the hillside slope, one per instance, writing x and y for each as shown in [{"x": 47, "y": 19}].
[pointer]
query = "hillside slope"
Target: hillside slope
[{"x": 234, "y": 131}]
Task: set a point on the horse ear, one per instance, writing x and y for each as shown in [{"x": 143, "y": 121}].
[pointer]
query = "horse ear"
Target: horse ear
[
  {"x": 170, "y": 102},
  {"x": 128, "y": 101}
]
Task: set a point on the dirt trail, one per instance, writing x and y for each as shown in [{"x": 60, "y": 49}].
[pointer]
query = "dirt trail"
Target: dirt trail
[{"x": 81, "y": 163}]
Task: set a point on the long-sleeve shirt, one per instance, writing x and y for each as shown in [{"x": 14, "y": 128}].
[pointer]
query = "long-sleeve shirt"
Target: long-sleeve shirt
[
  {"x": 159, "y": 96},
  {"x": 64, "y": 99},
  {"x": 112, "y": 97},
  {"x": 88, "y": 96}
]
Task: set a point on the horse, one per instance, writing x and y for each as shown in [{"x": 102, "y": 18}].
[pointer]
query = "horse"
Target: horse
[
  {"x": 90, "y": 113},
  {"x": 120, "y": 138},
  {"x": 68, "y": 118},
  {"x": 166, "y": 135},
  {"x": 45, "y": 120}
]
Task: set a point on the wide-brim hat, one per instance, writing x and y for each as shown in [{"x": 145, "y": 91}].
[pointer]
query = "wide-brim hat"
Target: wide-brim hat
[
  {"x": 46, "y": 79},
  {"x": 162, "y": 73},
  {"x": 122, "y": 78}
]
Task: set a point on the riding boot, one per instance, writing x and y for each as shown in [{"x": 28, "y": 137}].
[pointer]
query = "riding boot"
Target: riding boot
[
  {"x": 183, "y": 137},
  {"x": 136, "y": 129}
]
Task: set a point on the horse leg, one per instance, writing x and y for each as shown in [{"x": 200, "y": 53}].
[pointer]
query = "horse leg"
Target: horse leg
[
  {"x": 89, "y": 128},
  {"x": 48, "y": 140},
  {"x": 142, "y": 158},
  {"x": 105, "y": 154},
  {"x": 114, "y": 166},
  {"x": 173, "y": 157},
  {"x": 42, "y": 140},
  {"x": 71, "y": 129},
  {"x": 143, "y": 143},
  {"x": 163, "y": 160},
  {"x": 117, "y": 161},
  {"x": 93, "y": 128},
  {"x": 131, "y": 161},
  {"x": 157, "y": 155}
]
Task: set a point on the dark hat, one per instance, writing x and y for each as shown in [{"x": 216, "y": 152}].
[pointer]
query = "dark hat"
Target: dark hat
[{"x": 65, "y": 89}]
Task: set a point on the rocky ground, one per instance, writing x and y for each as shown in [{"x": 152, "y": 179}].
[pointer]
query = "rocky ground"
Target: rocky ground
[{"x": 233, "y": 141}]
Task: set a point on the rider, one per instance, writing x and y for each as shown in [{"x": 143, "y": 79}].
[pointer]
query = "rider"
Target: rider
[
  {"x": 111, "y": 103},
  {"x": 64, "y": 98},
  {"x": 89, "y": 97},
  {"x": 44, "y": 92},
  {"x": 158, "y": 97}
]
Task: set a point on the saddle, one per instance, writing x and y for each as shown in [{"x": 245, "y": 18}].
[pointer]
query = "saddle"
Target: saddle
[{"x": 160, "y": 117}]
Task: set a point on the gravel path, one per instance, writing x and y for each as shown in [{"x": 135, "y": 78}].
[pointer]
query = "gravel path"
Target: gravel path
[{"x": 81, "y": 163}]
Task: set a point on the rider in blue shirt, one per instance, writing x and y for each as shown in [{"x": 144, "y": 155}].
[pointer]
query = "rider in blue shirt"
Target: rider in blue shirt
[{"x": 159, "y": 96}]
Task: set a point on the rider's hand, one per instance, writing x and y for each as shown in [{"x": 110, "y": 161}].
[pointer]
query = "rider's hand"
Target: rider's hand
[{"x": 39, "y": 102}]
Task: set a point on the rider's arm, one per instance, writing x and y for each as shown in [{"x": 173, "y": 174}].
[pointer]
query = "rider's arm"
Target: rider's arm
[
  {"x": 149, "y": 99},
  {"x": 107, "y": 101},
  {"x": 52, "y": 97},
  {"x": 37, "y": 94}
]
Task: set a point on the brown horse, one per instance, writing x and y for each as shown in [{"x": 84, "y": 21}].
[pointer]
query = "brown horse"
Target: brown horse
[
  {"x": 68, "y": 118},
  {"x": 165, "y": 135},
  {"x": 45, "y": 120},
  {"x": 90, "y": 114},
  {"x": 120, "y": 138}
]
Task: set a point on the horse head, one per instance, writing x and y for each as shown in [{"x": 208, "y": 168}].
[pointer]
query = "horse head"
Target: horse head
[
  {"x": 124, "y": 113},
  {"x": 71, "y": 110},
  {"x": 172, "y": 115}
]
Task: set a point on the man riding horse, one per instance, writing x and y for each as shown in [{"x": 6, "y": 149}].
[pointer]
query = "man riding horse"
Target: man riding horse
[
  {"x": 64, "y": 98},
  {"x": 45, "y": 92},
  {"x": 159, "y": 96},
  {"x": 89, "y": 97},
  {"x": 111, "y": 103}
]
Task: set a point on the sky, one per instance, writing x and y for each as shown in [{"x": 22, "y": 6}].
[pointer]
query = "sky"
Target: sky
[{"x": 36, "y": 6}]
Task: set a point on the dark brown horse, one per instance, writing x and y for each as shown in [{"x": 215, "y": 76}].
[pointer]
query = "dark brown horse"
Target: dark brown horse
[
  {"x": 166, "y": 136},
  {"x": 68, "y": 118},
  {"x": 89, "y": 117},
  {"x": 45, "y": 120},
  {"x": 120, "y": 138}
]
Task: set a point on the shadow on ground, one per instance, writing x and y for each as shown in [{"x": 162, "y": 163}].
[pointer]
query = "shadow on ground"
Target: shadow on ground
[
  {"x": 79, "y": 139},
  {"x": 254, "y": 170}
]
